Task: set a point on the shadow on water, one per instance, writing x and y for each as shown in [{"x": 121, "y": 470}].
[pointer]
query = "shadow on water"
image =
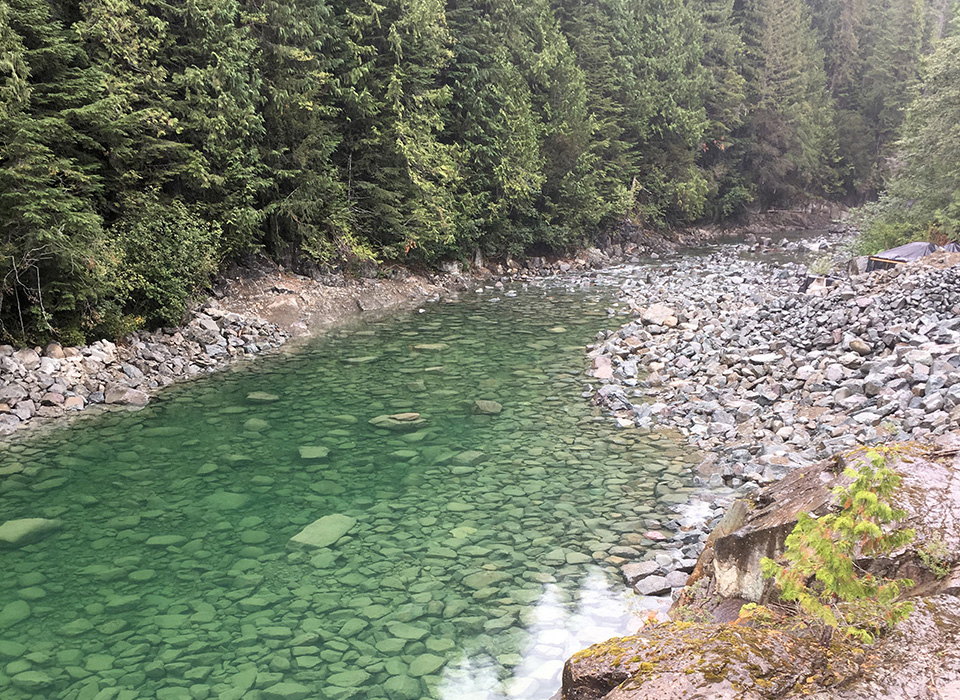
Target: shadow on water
[{"x": 475, "y": 558}]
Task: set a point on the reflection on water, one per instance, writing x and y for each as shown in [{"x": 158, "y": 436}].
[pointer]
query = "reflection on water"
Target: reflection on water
[{"x": 556, "y": 628}]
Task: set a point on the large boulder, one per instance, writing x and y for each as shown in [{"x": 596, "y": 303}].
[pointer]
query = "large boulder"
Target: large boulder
[
  {"x": 125, "y": 396},
  {"x": 659, "y": 315}
]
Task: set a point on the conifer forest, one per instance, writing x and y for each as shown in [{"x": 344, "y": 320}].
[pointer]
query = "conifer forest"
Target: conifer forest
[{"x": 145, "y": 144}]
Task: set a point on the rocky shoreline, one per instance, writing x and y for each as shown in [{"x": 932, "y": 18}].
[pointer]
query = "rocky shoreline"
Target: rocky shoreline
[
  {"x": 768, "y": 375},
  {"x": 259, "y": 306}
]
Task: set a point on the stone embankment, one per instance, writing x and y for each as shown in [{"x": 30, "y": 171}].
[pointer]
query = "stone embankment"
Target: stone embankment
[
  {"x": 51, "y": 382},
  {"x": 764, "y": 377}
]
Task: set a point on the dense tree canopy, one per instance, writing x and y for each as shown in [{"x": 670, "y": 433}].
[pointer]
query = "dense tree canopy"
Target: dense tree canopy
[
  {"x": 922, "y": 200},
  {"x": 144, "y": 143}
]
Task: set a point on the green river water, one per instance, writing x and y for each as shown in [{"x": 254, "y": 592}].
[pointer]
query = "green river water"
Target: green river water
[{"x": 475, "y": 564}]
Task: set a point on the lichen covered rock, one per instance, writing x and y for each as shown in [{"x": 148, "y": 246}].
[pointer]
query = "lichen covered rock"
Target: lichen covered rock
[{"x": 920, "y": 660}]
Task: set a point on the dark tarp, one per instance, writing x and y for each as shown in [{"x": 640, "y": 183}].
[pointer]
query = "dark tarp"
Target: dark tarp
[
  {"x": 901, "y": 254},
  {"x": 952, "y": 247}
]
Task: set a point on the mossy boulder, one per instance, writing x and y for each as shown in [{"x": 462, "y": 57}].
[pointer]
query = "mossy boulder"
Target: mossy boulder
[
  {"x": 920, "y": 660},
  {"x": 690, "y": 661}
]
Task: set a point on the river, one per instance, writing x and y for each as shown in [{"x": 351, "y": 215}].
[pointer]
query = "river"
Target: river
[{"x": 477, "y": 560}]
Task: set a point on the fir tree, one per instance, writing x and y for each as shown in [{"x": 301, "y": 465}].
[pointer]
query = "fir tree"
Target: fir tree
[{"x": 50, "y": 185}]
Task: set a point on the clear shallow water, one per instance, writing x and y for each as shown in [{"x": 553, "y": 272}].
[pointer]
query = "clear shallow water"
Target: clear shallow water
[{"x": 475, "y": 567}]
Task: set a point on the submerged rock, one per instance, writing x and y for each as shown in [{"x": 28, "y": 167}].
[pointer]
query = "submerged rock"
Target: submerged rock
[
  {"x": 262, "y": 397},
  {"x": 398, "y": 421},
  {"x": 310, "y": 453},
  {"x": 487, "y": 407},
  {"x": 13, "y": 613},
  {"x": 323, "y": 532},
  {"x": 17, "y": 533}
]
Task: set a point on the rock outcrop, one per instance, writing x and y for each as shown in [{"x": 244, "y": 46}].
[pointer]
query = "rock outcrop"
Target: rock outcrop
[
  {"x": 929, "y": 493},
  {"x": 919, "y": 659}
]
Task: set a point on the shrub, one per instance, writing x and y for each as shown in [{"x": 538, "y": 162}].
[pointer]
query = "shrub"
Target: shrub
[
  {"x": 822, "y": 575},
  {"x": 167, "y": 254}
]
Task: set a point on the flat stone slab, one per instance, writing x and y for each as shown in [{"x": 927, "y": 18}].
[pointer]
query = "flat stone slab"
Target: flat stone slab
[
  {"x": 313, "y": 452},
  {"x": 484, "y": 579},
  {"x": 12, "y": 613},
  {"x": 24, "y": 531},
  {"x": 635, "y": 571},
  {"x": 262, "y": 397},
  {"x": 226, "y": 500},
  {"x": 323, "y": 532},
  {"x": 165, "y": 541},
  {"x": 286, "y": 691},
  {"x": 425, "y": 664},
  {"x": 652, "y": 585}
]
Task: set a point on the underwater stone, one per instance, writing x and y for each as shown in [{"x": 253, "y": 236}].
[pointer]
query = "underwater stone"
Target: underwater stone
[
  {"x": 255, "y": 425},
  {"x": 323, "y": 532},
  {"x": 311, "y": 452},
  {"x": 349, "y": 679},
  {"x": 484, "y": 579},
  {"x": 286, "y": 691},
  {"x": 12, "y": 613},
  {"x": 226, "y": 500},
  {"x": 425, "y": 664},
  {"x": 261, "y": 397},
  {"x": 11, "y": 650},
  {"x": 17, "y": 533},
  {"x": 165, "y": 540},
  {"x": 409, "y": 632},
  {"x": 31, "y": 681},
  {"x": 487, "y": 407},
  {"x": 402, "y": 688}
]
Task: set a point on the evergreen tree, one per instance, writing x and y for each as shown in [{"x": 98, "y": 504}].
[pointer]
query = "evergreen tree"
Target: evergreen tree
[
  {"x": 923, "y": 200},
  {"x": 50, "y": 185},
  {"x": 301, "y": 49},
  {"x": 892, "y": 49},
  {"x": 645, "y": 89},
  {"x": 492, "y": 115},
  {"x": 401, "y": 180},
  {"x": 724, "y": 102},
  {"x": 787, "y": 142}
]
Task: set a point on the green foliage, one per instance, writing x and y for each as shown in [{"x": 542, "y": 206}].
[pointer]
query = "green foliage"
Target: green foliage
[
  {"x": 822, "y": 574},
  {"x": 922, "y": 200},
  {"x": 165, "y": 256},
  {"x": 935, "y": 556},
  {"x": 787, "y": 143},
  {"x": 410, "y": 130}
]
